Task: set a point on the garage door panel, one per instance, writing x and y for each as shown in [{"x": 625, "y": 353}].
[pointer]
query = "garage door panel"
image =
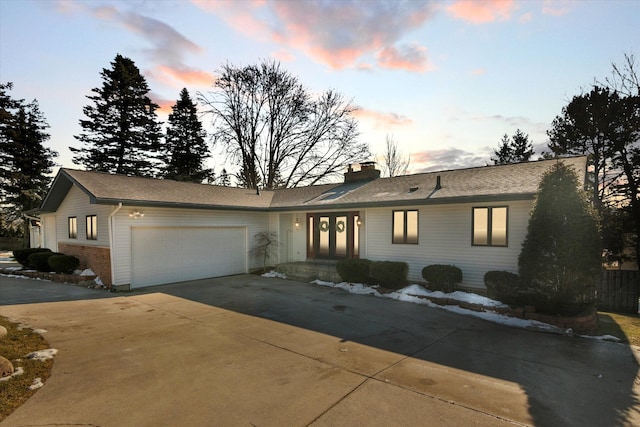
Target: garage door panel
[{"x": 172, "y": 254}]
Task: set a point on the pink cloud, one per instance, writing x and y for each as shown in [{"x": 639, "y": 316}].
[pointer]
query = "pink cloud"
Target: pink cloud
[
  {"x": 382, "y": 120},
  {"x": 482, "y": 11},
  {"x": 340, "y": 34},
  {"x": 183, "y": 75},
  {"x": 410, "y": 58},
  {"x": 479, "y": 72}
]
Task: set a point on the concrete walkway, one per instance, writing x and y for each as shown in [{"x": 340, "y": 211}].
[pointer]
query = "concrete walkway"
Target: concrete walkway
[{"x": 269, "y": 352}]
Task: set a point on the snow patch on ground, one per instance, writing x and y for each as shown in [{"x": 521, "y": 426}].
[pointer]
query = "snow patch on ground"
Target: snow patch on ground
[
  {"x": 273, "y": 273},
  {"x": 417, "y": 294},
  {"x": 17, "y": 276},
  {"x": 18, "y": 371},
  {"x": 87, "y": 272},
  {"x": 42, "y": 355},
  {"x": 37, "y": 383}
]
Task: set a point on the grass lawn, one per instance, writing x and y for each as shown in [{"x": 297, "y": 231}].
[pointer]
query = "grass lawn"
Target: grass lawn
[
  {"x": 624, "y": 326},
  {"x": 15, "y": 346}
]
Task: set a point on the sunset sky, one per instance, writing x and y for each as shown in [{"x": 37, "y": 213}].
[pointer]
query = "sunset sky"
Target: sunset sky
[{"x": 446, "y": 79}]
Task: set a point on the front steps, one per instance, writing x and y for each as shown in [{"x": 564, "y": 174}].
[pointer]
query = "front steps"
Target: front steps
[{"x": 310, "y": 271}]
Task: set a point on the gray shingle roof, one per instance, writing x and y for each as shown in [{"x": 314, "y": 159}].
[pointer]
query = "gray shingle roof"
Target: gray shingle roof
[{"x": 514, "y": 181}]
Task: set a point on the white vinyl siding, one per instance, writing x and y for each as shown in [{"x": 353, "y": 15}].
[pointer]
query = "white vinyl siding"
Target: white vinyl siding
[
  {"x": 77, "y": 204},
  {"x": 445, "y": 238}
]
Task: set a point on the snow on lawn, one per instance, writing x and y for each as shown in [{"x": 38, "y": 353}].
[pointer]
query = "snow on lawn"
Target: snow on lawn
[
  {"x": 418, "y": 295},
  {"x": 42, "y": 355},
  {"x": 37, "y": 383}
]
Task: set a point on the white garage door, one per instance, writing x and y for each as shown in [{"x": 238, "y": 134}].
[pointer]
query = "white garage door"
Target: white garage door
[{"x": 174, "y": 254}]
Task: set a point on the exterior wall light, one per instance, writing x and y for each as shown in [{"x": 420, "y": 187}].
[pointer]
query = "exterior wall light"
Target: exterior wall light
[
  {"x": 297, "y": 223},
  {"x": 136, "y": 214}
]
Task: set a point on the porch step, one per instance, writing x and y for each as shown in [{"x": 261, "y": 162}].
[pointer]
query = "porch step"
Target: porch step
[{"x": 309, "y": 271}]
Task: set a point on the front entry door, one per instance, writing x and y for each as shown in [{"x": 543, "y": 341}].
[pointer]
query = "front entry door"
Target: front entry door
[{"x": 332, "y": 235}]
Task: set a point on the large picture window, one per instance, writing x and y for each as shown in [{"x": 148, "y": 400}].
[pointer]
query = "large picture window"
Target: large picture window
[
  {"x": 73, "y": 227},
  {"x": 490, "y": 226},
  {"x": 92, "y": 227},
  {"x": 405, "y": 227}
]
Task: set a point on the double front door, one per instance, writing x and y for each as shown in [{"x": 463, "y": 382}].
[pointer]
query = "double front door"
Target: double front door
[{"x": 333, "y": 235}]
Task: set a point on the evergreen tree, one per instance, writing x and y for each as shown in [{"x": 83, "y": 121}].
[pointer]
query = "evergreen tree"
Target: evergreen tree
[
  {"x": 224, "y": 179},
  {"x": 503, "y": 154},
  {"x": 516, "y": 149},
  {"x": 26, "y": 163},
  {"x": 561, "y": 257},
  {"x": 121, "y": 133},
  {"x": 185, "y": 149}
]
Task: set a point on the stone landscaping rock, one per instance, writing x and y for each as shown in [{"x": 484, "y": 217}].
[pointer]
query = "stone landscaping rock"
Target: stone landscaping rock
[
  {"x": 3, "y": 332},
  {"x": 6, "y": 367}
]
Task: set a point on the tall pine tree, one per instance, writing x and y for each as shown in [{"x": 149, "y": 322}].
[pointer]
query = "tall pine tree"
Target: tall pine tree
[
  {"x": 121, "y": 133},
  {"x": 513, "y": 150},
  {"x": 26, "y": 163},
  {"x": 185, "y": 149}
]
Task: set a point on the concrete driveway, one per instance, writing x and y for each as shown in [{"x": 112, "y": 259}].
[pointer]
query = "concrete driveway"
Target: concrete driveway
[{"x": 246, "y": 350}]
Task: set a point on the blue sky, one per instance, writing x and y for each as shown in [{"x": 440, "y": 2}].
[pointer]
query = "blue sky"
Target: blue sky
[{"x": 446, "y": 79}]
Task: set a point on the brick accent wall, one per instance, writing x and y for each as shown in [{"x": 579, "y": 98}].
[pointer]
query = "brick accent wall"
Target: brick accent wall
[{"x": 96, "y": 258}]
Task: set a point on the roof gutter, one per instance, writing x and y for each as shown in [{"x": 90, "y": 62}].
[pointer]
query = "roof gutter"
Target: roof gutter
[{"x": 112, "y": 237}]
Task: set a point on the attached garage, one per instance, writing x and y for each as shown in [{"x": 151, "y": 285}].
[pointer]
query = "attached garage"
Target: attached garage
[{"x": 173, "y": 254}]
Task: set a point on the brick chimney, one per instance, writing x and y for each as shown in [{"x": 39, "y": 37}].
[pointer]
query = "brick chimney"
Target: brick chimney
[{"x": 367, "y": 172}]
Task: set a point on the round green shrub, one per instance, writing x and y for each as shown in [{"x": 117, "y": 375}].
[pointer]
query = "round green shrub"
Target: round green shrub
[
  {"x": 63, "y": 263},
  {"x": 503, "y": 286},
  {"x": 390, "y": 274},
  {"x": 40, "y": 260},
  {"x": 442, "y": 277},
  {"x": 22, "y": 255},
  {"x": 354, "y": 270}
]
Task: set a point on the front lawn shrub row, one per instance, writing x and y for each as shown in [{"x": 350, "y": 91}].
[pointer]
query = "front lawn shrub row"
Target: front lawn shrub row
[
  {"x": 40, "y": 260},
  {"x": 354, "y": 270},
  {"x": 64, "y": 264},
  {"x": 503, "y": 286},
  {"x": 22, "y": 255},
  {"x": 390, "y": 274},
  {"x": 43, "y": 259},
  {"x": 442, "y": 277}
]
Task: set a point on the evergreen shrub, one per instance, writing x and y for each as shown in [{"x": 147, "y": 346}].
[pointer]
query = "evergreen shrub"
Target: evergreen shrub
[
  {"x": 354, "y": 270},
  {"x": 503, "y": 286},
  {"x": 22, "y": 255},
  {"x": 561, "y": 256},
  {"x": 64, "y": 264},
  {"x": 442, "y": 277},
  {"x": 40, "y": 260},
  {"x": 389, "y": 274}
]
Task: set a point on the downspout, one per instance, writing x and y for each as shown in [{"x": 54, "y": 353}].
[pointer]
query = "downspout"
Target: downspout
[{"x": 112, "y": 237}]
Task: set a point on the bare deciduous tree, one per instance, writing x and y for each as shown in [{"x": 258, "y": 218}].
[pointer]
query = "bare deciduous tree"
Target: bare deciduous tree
[
  {"x": 395, "y": 163},
  {"x": 277, "y": 134}
]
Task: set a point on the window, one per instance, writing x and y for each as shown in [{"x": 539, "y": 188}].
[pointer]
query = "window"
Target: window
[
  {"x": 490, "y": 226},
  {"x": 405, "y": 227},
  {"x": 92, "y": 227},
  {"x": 73, "y": 227}
]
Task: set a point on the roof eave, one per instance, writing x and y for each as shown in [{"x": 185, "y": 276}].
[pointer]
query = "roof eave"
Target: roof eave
[
  {"x": 152, "y": 204},
  {"x": 488, "y": 198}
]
